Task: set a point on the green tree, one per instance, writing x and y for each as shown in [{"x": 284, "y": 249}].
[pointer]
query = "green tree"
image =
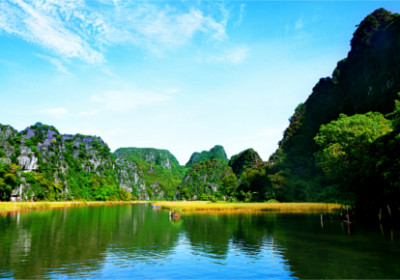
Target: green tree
[
  {"x": 8, "y": 179},
  {"x": 346, "y": 140},
  {"x": 229, "y": 185},
  {"x": 345, "y": 155}
]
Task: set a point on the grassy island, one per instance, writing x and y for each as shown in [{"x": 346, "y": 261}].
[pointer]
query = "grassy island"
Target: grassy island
[{"x": 231, "y": 207}]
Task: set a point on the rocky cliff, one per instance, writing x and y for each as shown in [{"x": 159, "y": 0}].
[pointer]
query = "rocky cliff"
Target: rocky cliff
[
  {"x": 367, "y": 80},
  {"x": 148, "y": 173},
  {"x": 54, "y": 166}
]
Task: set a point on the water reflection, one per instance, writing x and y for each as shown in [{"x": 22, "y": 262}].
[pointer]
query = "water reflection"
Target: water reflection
[{"x": 139, "y": 242}]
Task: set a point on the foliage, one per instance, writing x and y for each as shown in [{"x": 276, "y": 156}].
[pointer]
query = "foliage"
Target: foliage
[
  {"x": 244, "y": 160},
  {"x": 9, "y": 179},
  {"x": 149, "y": 172},
  {"x": 366, "y": 81},
  {"x": 68, "y": 166},
  {"x": 217, "y": 152},
  {"x": 345, "y": 142},
  {"x": 229, "y": 185},
  {"x": 360, "y": 155},
  {"x": 211, "y": 179}
]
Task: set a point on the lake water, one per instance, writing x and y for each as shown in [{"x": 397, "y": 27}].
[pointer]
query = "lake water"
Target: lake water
[{"x": 135, "y": 241}]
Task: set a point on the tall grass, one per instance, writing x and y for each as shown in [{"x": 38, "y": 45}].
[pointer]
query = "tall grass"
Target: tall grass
[
  {"x": 227, "y": 207},
  {"x": 25, "y": 206}
]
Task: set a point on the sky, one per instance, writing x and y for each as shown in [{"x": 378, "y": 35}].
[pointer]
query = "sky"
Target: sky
[{"x": 177, "y": 75}]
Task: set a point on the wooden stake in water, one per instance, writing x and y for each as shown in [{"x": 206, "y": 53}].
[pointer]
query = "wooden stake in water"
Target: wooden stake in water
[
  {"x": 389, "y": 211},
  {"x": 322, "y": 220}
]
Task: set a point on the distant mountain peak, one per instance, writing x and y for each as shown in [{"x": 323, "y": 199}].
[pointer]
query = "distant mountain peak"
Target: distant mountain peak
[{"x": 216, "y": 152}]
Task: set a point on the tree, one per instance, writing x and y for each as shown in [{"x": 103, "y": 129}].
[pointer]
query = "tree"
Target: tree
[
  {"x": 345, "y": 154},
  {"x": 8, "y": 179},
  {"x": 229, "y": 185}
]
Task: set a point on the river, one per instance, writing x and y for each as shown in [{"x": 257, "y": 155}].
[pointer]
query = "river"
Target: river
[{"x": 135, "y": 241}]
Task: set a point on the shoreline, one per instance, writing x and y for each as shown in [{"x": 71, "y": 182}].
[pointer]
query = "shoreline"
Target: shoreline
[
  {"x": 20, "y": 206},
  {"x": 184, "y": 206},
  {"x": 249, "y": 207}
]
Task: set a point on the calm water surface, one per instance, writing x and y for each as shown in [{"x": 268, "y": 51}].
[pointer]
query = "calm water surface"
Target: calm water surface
[{"x": 134, "y": 241}]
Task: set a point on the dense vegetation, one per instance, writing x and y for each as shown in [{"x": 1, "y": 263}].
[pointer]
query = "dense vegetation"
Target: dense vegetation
[
  {"x": 41, "y": 164},
  {"x": 359, "y": 157},
  {"x": 208, "y": 180},
  {"x": 217, "y": 152},
  {"x": 149, "y": 173},
  {"x": 320, "y": 168},
  {"x": 342, "y": 145}
]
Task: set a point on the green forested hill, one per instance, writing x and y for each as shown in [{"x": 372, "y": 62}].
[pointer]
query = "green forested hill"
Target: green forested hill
[
  {"x": 367, "y": 80},
  {"x": 217, "y": 152},
  {"x": 39, "y": 163},
  {"x": 342, "y": 144},
  {"x": 244, "y": 160},
  {"x": 149, "y": 173},
  {"x": 210, "y": 179}
]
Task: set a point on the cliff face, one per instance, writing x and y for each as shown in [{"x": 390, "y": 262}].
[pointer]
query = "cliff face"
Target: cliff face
[
  {"x": 54, "y": 166},
  {"x": 148, "y": 173},
  {"x": 217, "y": 152},
  {"x": 367, "y": 80},
  {"x": 7, "y": 136}
]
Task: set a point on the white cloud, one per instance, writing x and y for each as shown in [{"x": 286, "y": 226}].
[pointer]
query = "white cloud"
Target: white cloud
[
  {"x": 172, "y": 90},
  {"x": 234, "y": 55},
  {"x": 160, "y": 27},
  {"x": 88, "y": 113},
  {"x": 56, "y": 62},
  {"x": 55, "y": 112},
  {"x": 40, "y": 23},
  {"x": 241, "y": 14},
  {"x": 83, "y": 29},
  {"x": 122, "y": 101}
]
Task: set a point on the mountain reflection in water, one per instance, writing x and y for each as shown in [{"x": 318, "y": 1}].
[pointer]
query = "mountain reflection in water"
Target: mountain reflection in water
[{"x": 134, "y": 241}]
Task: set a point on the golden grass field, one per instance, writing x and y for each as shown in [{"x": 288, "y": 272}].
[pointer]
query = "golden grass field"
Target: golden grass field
[
  {"x": 255, "y": 207},
  {"x": 25, "y": 206},
  {"x": 184, "y": 206}
]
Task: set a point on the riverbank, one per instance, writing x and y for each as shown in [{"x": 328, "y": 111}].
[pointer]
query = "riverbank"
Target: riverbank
[
  {"x": 6, "y": 207},
  {"x": 184, "y": 206},
  {"x": 231, "y": 207}
]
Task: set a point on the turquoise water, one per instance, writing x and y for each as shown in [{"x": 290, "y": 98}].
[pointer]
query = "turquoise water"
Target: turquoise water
[{"x": 135, "y": 241}]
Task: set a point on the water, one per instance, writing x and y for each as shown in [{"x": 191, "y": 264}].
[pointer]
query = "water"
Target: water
[{"x": 134, "y": 241}]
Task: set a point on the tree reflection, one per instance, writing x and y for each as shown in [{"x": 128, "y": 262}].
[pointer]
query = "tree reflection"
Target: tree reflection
[{"x": 79, "y": 242}]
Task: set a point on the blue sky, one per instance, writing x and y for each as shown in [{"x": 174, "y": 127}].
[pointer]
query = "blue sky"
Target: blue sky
[{"x": 176, "y": 75}]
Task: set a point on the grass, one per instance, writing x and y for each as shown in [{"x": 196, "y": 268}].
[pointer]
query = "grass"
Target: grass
[
  {"x": 6, "y": 207},
  {"x": 255, "y": 207},
  {"x": 184, "y": 206}
]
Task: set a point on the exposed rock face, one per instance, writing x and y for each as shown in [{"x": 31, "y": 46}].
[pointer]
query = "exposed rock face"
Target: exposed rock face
[
  {"x": 27, "y": 161},
  {"x": 53, "y": 163},
  {"x": 367, "y": 80},
  {"x": 131, "y": 176},
  {"x": 217, "y": 152},
  {"x": 7, "y": 134},
  {"x": 149, "y": 173},
  {"x": 246, "y": 159}
]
